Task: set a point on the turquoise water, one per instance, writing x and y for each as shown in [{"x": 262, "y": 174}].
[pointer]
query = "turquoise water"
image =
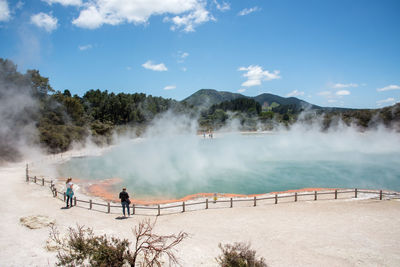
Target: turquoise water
[{"x": 176, "y": 166}]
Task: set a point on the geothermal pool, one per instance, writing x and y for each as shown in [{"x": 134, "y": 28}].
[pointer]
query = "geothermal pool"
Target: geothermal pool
[{"x": 173, "y": 166}]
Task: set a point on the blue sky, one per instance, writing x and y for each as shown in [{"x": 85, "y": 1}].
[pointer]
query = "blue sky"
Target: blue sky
[{"x": 329, "y": 53}]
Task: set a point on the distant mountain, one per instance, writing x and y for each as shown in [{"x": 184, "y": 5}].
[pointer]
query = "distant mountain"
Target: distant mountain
[
  {"x": 297, "y": 104},
  {"x": 208, "y": 97},
  {"x": 205, "y": 98}
]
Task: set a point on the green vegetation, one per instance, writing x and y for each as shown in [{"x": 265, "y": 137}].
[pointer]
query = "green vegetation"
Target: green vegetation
[
  {"x": 239, "y": 255},
  {"x": 82, "y": 248},
  {"x": 32, "y": 110},
  {"x": 62, "y": 119},
  {"x": 205, "y": 98}
]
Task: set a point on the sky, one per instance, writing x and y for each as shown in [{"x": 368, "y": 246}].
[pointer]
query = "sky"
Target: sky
[{"x": 327, "y": 52}]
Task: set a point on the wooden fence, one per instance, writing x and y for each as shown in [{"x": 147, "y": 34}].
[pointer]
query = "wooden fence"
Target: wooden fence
[{"x": 181, "y": 207}]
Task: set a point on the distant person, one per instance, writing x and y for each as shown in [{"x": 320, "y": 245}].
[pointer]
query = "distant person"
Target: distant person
[
  {"x": 69, "y": 192},
  {"x": 125, "y": 201}
]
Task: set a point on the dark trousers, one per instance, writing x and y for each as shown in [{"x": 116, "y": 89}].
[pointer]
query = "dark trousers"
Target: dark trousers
[
  {"x": 69, "y": 198},
  {"x": 125, "y": 204}
]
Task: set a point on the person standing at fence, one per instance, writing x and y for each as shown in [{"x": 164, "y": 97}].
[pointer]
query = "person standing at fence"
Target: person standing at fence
[
  {"x": 124, "y": 196},
  {"x": 69, "y": 192}
]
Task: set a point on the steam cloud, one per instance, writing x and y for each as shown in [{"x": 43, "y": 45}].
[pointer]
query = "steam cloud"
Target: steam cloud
[
  {"x": 172, "y": 160},
  {"x": 17, "y": 113}
]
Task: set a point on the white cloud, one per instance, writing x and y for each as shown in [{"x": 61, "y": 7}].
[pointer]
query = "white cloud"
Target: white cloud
[
  {"x": 343, "y": 92},
  {"x": 4, "y": 11},
  {"x": 19, "y": 5},
  {"x": 187, "y": 14},
  {"x": 85, "y": 47},
  {"x": 295, "y": 93},
  {"x": 184, "y": 69},
  {"x": 387, "y": 100},
  {"x": 334, "y": 97},
  {"x": 255, "y": 74},
  {"x": 242, "y": 90},
  {"x": 128, "y": 68},
  {"x": 188, "y": 22},
  {"x": 91, "y": 18},
  {"x": 64, "y": 2},
  {"x": 182, "y": 56},
  {"x": 156, "y": 67},
  {"x": 222, "y": 7},
  {"x": 45, "y": 21},
  {"x": 344, "y": 85},
  {"x": 388, "y": 88},
  {"x": 169, "y": 87},
  {"x": 247, "y": 11}
]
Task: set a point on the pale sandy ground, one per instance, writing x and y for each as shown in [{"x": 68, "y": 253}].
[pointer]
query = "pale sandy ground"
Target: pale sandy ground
[{"x": 343, "y": 232}]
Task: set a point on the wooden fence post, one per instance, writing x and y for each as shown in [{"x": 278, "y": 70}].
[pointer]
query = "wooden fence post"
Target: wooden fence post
[
  {"x": 183, "y": 206},
  {"x": 295, "y": 197},
  {"x": 255, "y": 201},
  {"x": 315, "y": 195},
  {"x": 276, "y": 199},
  {"x": 42, "y": 181},
  {"x": 380, "y": 195},
  {"x": 90, "y": 204},
  {"x": 231, "y": 202},
  {"x": 74, "y": 201},
  {"x": 206, "y": 203},
  {"x": 108, "y": 207},
  {"x": 158, "y": 207},
  {"x": 335, "y": 193},
  {"x": 133, "y": 209},
  {"x": 27, "y": 173},
  {"x": 55, "y": 192},
  {"x": 35, "y": 179},
  {"x": 355, "y": 193}
]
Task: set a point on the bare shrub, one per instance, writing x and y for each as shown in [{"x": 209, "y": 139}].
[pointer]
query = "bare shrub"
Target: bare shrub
[
  {"x": 82, "y": 248},
  {"x": 239, "y": 255}
]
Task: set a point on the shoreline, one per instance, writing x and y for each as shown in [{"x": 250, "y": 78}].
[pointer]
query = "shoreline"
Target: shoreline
[
  {"x": 102, "y": 191},
  {"x": 343, "y": 232}
]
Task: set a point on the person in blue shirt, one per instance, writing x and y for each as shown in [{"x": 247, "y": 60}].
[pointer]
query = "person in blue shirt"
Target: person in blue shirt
[{"x": 69, "y": 192}]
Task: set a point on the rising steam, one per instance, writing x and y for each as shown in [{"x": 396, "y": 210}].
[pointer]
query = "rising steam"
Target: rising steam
[
  {"x": 172, "y": 160},
  {"x": 18, "y": 109}
]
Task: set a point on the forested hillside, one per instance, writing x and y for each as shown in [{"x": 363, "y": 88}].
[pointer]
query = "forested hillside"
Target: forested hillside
[{"x": 33, "y": 113}]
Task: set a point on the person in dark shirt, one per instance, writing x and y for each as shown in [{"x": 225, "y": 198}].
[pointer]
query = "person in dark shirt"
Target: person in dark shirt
[{"x": 125, "y": 201}]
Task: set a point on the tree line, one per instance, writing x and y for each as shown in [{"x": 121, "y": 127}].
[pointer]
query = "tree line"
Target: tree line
[{"x": 59, "y": 119}]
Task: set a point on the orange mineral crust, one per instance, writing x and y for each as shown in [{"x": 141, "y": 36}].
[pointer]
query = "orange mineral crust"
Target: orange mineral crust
[{"x": 104, "y": 190}]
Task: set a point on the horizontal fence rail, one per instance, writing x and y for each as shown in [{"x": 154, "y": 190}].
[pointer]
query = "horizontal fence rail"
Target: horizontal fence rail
[{"x": 206, "y": 203}]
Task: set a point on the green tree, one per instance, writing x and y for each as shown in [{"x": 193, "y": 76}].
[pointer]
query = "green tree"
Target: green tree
[{"x": 39, "y": 84}]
